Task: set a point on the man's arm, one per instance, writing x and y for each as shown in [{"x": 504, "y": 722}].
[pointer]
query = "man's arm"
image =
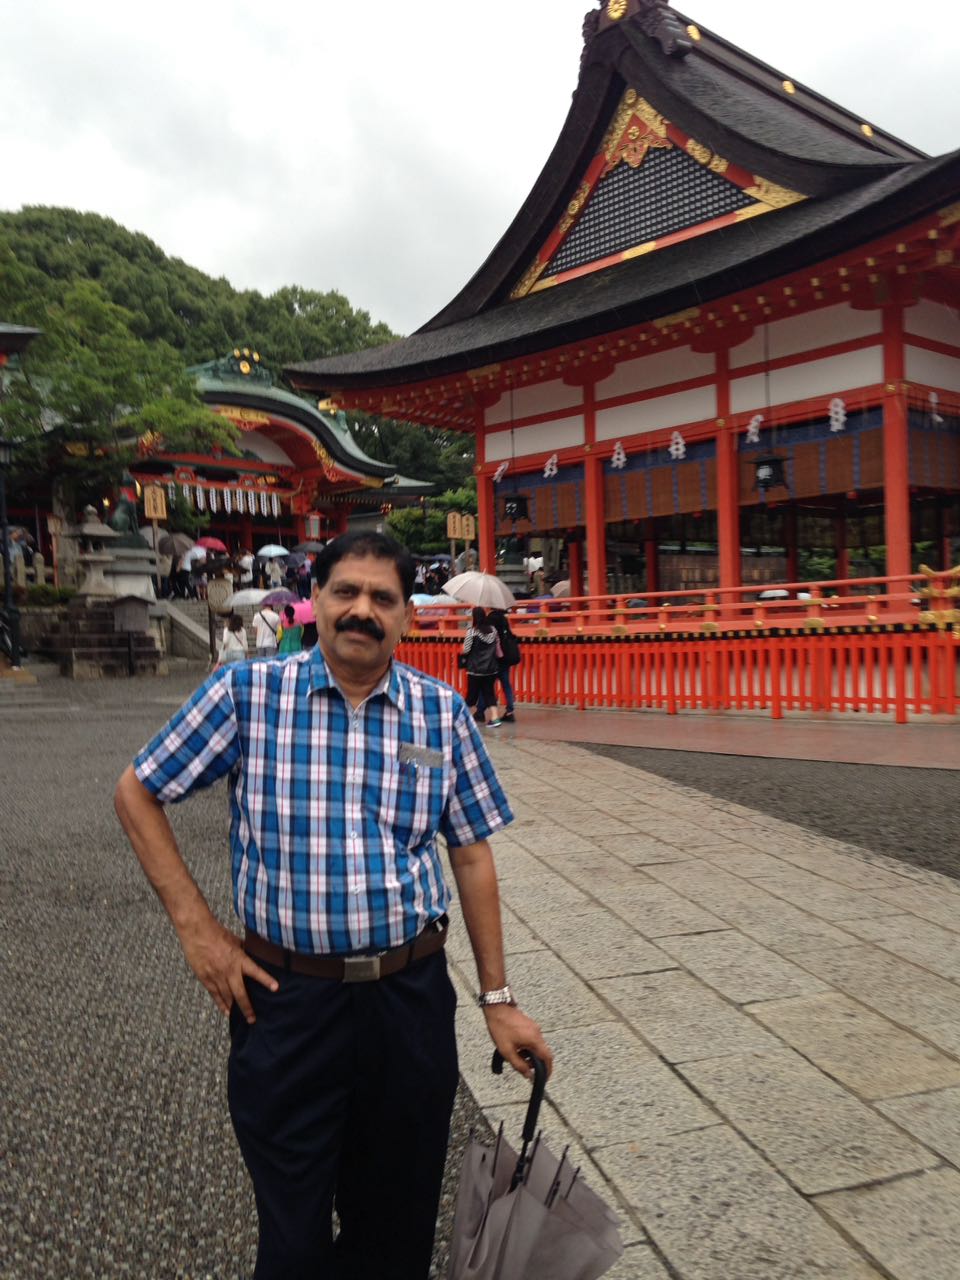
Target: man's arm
[
  {"x": 510, "y": 1029},
  {"x": 214, "y": 954}
]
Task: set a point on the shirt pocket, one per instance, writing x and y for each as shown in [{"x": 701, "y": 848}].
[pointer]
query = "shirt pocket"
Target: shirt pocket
[{"x": 418, "y": 794}]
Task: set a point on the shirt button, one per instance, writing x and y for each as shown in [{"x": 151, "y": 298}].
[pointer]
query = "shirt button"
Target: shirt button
[{"x": 356, "y": 891}]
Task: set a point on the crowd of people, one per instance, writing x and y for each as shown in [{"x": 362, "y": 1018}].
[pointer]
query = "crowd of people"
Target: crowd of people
[{"x": 186, "y": 577}]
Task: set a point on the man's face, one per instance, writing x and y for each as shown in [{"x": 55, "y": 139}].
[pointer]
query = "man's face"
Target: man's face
[{"x": 361, "y": 614}]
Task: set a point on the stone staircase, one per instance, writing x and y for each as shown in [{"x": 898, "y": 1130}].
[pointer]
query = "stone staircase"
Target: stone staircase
[{"x": 87, "y": 646}]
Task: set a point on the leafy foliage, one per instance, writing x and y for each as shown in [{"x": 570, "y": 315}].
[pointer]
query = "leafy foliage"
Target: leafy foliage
[
  {"x": 423, "y": 529},
  {"x": 152, "y": 316}
]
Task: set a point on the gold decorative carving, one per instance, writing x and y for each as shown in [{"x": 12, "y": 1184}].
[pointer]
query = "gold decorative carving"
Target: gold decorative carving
[
  {"x": 666, "y": 322},
  {"x": 719, "y": 165},
  {"x": 616, "y": 9},
  {"x": 769, "y": 193},
  {"x": 699, "y": 152},
  {"x": 528, "y": 280},
  {"x": 573, "y": 208},
  {"x": 950, "y": 216}
]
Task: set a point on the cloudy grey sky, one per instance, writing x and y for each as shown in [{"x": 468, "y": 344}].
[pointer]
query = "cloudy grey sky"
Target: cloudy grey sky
[{"x": 379, "y": 147}]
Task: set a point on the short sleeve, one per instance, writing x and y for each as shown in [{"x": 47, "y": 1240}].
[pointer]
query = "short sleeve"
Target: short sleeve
[
  {"x": 196, "y": 747},
  {"x": 477, "y": 806}
]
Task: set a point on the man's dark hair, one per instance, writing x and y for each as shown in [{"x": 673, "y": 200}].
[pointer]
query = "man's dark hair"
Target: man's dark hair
[{"x": 377, "y": 545}]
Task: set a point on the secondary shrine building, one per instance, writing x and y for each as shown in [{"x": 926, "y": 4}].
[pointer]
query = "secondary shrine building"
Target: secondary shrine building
[
  {"x": 300, "y": 474},
  {"x": 718, "y": 344}
]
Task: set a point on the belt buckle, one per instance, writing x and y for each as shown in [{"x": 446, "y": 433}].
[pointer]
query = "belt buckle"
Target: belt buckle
[{"x": 361, "y": 968}]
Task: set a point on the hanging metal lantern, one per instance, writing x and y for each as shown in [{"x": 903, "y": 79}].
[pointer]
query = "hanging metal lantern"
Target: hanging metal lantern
[
  {"x": 769, "y": 473},
  {"x": 515, "y": 506}
]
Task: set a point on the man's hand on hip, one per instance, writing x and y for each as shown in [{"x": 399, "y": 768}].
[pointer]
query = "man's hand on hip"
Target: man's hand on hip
[
  {"x": 511, "y": 1030},
  {"x": 218, "y": 959}
]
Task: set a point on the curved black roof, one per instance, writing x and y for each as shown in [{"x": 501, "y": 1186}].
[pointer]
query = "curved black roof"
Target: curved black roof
[{"x": 859, "y": 182}]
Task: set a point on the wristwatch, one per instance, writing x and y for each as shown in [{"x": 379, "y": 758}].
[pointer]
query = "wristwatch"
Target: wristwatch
[{"x": 503, "y": 995}]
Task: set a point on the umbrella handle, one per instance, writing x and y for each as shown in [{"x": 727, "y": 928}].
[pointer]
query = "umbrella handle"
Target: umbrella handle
[{"x": 539, "y": 1087}]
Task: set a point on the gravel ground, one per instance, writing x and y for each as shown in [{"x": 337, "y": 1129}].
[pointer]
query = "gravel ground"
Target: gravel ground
[
  {"x": 117, "y": 1158},
  {"x": 899, "y": 812}
]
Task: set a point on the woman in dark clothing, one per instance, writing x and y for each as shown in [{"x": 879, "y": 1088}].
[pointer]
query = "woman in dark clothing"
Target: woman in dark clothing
[
  {"x": 509, "y": 656},
  {"x": 481, "y": 649}
]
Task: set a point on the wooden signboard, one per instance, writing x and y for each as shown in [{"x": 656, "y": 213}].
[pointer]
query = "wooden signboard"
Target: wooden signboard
[
  {"x": 154, "y": 502},
  {"x": 454, "y": 525},
  {"x": 468, "y": 526}
]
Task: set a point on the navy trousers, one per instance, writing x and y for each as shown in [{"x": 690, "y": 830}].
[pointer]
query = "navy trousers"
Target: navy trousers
[{"x": 341, "y": 1096}]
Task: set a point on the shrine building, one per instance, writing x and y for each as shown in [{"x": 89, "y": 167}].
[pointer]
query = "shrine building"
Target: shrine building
[
  {"x": 719, "y": 339},
  {"x": 300, "y": 474}
]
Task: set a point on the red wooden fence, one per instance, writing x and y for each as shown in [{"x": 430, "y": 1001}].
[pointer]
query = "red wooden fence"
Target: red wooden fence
[{"x": 898, "y": 672}]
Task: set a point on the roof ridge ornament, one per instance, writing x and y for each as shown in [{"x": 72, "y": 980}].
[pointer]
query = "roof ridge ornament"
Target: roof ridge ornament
[{"x": 654, "y": 17}]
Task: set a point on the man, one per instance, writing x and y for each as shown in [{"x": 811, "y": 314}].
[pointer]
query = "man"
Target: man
[
  {"x": 245, "y": 565},
  {"x": 265, "y": 624},
  {"x": 345, "y": 767}
]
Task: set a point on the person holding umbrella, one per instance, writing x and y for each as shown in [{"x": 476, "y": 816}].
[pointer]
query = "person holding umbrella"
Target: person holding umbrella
[
  {"x": 480, "y": 656},
  {"x": 346, "y": 767}
]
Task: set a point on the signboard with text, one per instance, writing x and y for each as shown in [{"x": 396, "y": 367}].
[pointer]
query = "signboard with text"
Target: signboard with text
[
  {"x": 454, "y": 524},
  {"x": 469, "y": 528},
  {"x": 154, "y": 502}
]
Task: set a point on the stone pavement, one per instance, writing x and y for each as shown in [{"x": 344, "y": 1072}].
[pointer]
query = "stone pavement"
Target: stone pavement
[{"x": 756, "y": 1029}]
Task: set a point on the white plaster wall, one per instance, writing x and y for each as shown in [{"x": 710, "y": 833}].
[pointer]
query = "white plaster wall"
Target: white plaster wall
[
  {"x": 659, "y": 369},
  {"x": 545, "y": 437},
  {"x": 545, "y": 397},
  {"x": 932, "y": 368},
  {"x": 933, "y": 320},
  {"x": 658, "y": 414},
  {"x": 830, "y": 377},
  {"x": 808, "y": 332},
  {"x": 266, "y": 450}
]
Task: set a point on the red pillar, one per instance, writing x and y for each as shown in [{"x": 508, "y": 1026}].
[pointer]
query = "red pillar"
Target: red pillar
[
  {"x": 575, "y": 560},
  {"x": 487, "y": 520},
  {"x": 596, "y": 525},
  {"x": 594, "y": 498},
  {"x": 896, "y": 447},
  {"x": 728, "y": 482}
]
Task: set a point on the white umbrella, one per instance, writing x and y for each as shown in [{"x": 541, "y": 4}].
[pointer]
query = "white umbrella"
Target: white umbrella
[
  {"x": 561, "y": 588},
  {"x": 480, "y": 588},
  {"x": 249, "y": 595},
  {"x": 195, "y": 553},
  {"x": 272, "y": 551}
]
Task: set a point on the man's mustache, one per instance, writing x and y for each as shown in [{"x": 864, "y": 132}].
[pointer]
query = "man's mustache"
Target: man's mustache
[{"x": 366, "y": 627}]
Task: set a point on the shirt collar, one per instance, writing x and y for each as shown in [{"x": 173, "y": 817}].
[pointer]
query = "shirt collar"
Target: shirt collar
[{"x": 321, "y": 677}]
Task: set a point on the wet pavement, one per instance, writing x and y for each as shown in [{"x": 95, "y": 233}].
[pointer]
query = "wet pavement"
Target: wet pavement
[{"x": 756, "y": 1015}]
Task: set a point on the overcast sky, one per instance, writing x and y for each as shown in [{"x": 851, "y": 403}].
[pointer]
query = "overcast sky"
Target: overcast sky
[{"x": 376, "y": 147}]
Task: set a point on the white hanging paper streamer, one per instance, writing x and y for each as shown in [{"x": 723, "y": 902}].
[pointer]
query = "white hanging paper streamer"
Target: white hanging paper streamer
[
  {"x": 619, "y": 459},
  {"x": 678, "y": 446},
  {"x": 227, "y": 501},
  {"x": 935, "y": 417},
  {"x": 838, "y": 414},
  {"x": 500, "y": 472},
  {"x": 264, "y": 503},
  {"x": 188, "y": 495},
  {"x": 212, "y": 496},
  {"x": 241, "y": 501},
  {"x": 171, "y": 492},
  {"x": 753, "y": 430},
  {"x": 201, "y": 498},
  {"x": 551, "y": 469},
  {"x": 275, "y": 504}
]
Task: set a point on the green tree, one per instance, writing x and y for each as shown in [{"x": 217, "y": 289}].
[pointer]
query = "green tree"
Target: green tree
[
  {"x": 89, "y": 389},
  {"x": 423, "y": 529}
]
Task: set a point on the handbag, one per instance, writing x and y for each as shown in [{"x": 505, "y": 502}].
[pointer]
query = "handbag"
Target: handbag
[{"x": 462, "y": 660}]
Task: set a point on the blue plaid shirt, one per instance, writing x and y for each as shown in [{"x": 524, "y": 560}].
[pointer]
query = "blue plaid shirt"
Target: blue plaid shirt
[{"x": 335, "y": 811}]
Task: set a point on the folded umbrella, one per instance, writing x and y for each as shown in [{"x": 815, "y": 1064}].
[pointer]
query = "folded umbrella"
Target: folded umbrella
[
  {"x": 481, "y": 589},
  {"x": 528, "y": 1216}
]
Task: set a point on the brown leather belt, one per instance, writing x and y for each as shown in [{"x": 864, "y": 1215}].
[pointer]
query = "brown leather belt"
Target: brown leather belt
[{"x": 355, "y": 968}]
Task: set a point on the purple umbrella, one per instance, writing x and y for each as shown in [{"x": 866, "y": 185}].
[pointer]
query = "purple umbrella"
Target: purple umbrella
[{"x": 280, "y": 596}]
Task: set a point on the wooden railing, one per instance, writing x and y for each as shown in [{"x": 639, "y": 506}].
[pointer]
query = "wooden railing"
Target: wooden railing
[{"x": 881, "y": 645}]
